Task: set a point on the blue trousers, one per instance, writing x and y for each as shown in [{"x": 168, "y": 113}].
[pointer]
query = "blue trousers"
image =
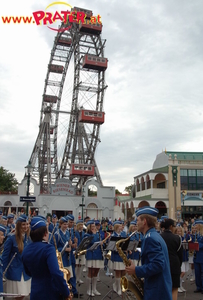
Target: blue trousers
[{"x": 199, "y": 275}]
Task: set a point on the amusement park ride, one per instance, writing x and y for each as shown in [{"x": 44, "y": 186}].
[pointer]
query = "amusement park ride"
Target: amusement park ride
[{"x": 72, "y": 107}]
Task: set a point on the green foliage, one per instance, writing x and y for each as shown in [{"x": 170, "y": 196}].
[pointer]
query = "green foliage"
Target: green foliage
[
  {"x": 8, "y": 182},
  {"x": 117, "y": 192},
  {"x": 128, "y": 189},
  {"x": 92, "y": 193}
]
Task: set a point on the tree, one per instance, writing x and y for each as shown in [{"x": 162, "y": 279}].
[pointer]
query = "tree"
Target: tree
[
  {"x": 128, "y": 189},
  {"x": 8, "y": 182},
  {"x": 117, "y": 192}
]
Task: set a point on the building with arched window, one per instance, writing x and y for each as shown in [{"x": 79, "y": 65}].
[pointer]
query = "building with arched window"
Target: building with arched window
[{"x": 174, "y": 185}]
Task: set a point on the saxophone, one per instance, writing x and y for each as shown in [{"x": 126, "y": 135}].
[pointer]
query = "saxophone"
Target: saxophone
[{"x": 136, "y": 286}]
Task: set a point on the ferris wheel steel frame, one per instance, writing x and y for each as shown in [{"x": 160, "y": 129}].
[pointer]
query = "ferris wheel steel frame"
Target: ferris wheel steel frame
[{"x": 88, "y": 84}]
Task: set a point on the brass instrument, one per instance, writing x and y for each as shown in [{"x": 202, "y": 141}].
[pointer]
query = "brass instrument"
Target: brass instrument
[
  {"x": 136, "y": 286},
  {"x": 66, "y": 272},
  {"x": 108, "y": 255},
  {"x": 84, "y": 251}
]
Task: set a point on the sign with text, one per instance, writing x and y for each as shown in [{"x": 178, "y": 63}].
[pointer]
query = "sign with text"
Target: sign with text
[
  {"x": 25, "y": 198},
  {"x": 63, "y": 187}
]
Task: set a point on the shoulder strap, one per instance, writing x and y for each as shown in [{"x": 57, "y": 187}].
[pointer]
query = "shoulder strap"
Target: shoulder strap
[{"x": 180, "y": 243}]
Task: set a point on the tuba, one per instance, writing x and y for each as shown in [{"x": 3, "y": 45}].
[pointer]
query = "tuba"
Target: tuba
[{"x": 136, "y": 286}]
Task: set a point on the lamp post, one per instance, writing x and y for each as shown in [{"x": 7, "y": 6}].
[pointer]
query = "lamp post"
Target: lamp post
[
  {"x": 28, "y": 170},
  {"x": 82, "y": 201},
  {"x": 183, "y": 195}
]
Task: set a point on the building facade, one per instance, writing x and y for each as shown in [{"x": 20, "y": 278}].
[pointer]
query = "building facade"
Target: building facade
[
  {"x": 174, "y": 185},
  {"x": 63, "y": 200}
]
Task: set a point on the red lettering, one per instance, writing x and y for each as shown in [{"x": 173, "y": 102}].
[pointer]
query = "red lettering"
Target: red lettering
[
  {"x": 99, "y": 19},
  {"x": 38, "y": 16},
  {"x": 57, "y": 16},
  {"x": 65, "y": 16},
  {"x": 73, "y": 17},
  {"x": 81, "y": 17},
  {"x": 16, "y": 19},
  {"x": 93, "y": 20},
  {"x": 48, "y": 18},
  {"x": 6, "y": 19}
]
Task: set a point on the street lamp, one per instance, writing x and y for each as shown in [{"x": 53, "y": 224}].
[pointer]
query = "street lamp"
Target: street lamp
[
  {"x": 83, "y": 196},
  {"x": 183, "y": 197},
  {"x": 28, "y": 170}
]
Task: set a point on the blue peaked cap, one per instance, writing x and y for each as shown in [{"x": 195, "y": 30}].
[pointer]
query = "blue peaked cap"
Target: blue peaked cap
[
  {"x": 36, "y": 223},
  {"x": 147, "y": 210}
]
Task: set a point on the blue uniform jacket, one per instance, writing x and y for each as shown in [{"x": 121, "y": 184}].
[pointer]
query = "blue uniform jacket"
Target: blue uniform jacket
[
  {"x": 198, "y": 255},
  {"x": 53, "y": 228},
  {"x": 16, "y": 268},
  {"x": 61, "y": 239},
  {"x": 1, "y": 275},
  {"x": 114, "y": 254},
  {"x": 79, "y": 235},
  {"x": 97, "y": 253},
  {"x": 40, "y": 262},
  {"x": 155, "y": 267}
]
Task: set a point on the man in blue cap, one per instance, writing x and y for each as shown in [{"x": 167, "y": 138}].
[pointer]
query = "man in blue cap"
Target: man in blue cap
[
  {"x": 155, "y": 268},
  {"x": 40, "y": 262}
]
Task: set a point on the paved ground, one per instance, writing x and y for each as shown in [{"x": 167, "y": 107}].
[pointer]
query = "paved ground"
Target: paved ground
[
  {"x": 105, "y": 288},
  {"x": 106, "y": 285}
]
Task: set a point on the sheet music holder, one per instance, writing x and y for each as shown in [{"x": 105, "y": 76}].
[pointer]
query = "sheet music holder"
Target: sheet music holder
[
  {"x": 95, "y": 246},
  {"x": 185, "y": 245},
  {"x": 132, "y": 245},
  {"x": 112, "y": 243},
  {"x": 84, "y": 244}
]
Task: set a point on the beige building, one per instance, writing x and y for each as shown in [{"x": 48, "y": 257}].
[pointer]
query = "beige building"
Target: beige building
[{"x": 174, "y": 185}]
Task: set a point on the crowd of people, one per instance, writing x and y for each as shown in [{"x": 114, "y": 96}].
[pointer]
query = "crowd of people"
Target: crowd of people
[{"x": 47, "y": 256}]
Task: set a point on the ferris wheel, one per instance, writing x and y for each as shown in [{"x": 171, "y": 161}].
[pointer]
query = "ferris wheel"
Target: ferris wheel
[{"x": 72, "y": 106}]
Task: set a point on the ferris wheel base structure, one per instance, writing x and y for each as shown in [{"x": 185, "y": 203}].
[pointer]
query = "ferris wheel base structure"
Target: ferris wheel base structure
[{"x": 72, "y": 107}]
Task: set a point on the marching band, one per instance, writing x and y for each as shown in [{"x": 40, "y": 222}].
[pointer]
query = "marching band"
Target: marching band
[{"x": 67, "y": 236}]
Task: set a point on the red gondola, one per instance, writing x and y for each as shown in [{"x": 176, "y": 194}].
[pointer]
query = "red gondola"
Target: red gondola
[
  {"x": 80, "y": 169},
  {"x": 94, "y": 62},
  {"x": 95, "y": 29},
  {"x": 50, "y": 98},
  {"x": 91, "y": 116},
  {"x": 56, "y": 68},
  {"x": 62, "y": 41}
]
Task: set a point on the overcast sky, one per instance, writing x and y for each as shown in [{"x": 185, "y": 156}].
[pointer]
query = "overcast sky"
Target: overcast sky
[{"x": 154, "y": 77}]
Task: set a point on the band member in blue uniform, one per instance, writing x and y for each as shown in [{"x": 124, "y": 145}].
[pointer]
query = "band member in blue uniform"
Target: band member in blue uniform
[
  {"x": 40, "y": 262},
  {"x": 10, "y": 224},
  {"x": 94, "y": 260},
  {"x": 198, "y": 258},
  {"x": 2, "y": 236},
  {"x": 116, "y": 262},
  {"x": 135, "y": 256},
  {"x": 18, "y": 282},
  {"x": 155, "y": 268},
  {"x": 80, "y": 261},
  {"x": 70, "y": 219},
  {"x": 185, "y": 237},
  {"x": 62, "y": 242},
  {"x": 53, "y": 226}
]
